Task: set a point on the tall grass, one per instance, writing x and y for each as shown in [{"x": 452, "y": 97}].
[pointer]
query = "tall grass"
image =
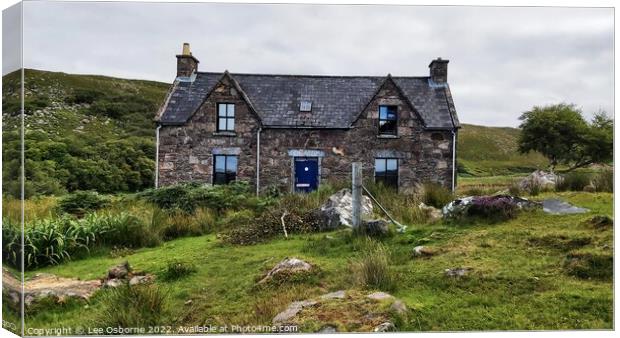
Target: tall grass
[
  {"x": 436, "y": 195},
  {"x": 372, "y": 269},
  {"x": 573, "y": 181},
  {"x": 604, "y": 181},
  {"x": 403, "y": 207},
  {"x": 39, "y": 207},
  {"x": 136, "y": 306}
]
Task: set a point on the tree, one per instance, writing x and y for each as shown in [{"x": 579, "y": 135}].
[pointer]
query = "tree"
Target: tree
[{"x": 561, "y": 134}]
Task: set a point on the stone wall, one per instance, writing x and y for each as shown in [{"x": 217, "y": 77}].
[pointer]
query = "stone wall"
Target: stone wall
[{"x": 186, "y": 152}]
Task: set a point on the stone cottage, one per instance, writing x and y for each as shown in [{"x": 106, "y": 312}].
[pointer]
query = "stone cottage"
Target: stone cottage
[{"x": 294, "y": 132}]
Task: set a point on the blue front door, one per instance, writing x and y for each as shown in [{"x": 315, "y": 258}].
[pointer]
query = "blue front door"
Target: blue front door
[{"x": 306, "y": 174}]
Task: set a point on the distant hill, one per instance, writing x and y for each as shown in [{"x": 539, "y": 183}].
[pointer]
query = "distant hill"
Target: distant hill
[
  {"x": 97, "y": 132},
  {"x": 486, "y": 151}
]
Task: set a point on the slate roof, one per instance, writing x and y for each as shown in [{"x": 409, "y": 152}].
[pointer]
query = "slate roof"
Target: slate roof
[{"x": 337, "y": 101}]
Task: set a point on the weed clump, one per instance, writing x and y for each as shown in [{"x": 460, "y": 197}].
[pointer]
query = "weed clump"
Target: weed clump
[
  {"x": 372, "y": 268},
  {"x": 132, "y": 307},
  {"x": 177, "y": 270}
]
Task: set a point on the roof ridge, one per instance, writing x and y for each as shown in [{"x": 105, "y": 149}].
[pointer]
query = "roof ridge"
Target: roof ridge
[{"x": 317, "y": 75}]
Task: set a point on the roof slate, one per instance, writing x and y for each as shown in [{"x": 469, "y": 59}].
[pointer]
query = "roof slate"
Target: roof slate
[{"x": 336, "y": 100}]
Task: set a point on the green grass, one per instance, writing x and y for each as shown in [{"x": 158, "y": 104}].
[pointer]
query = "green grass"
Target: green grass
[
  {"x": 519, "y": 280},
  {"x": 490, "y": 151}
]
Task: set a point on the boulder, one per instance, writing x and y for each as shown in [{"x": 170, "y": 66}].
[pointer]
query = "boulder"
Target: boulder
[
  {"x": 376, "y": 227},
  {"x": 113, "y": 282},
  {"x": 461, "y": 207},
  {"x": 340, "y": 204},
  {"x": 288, "y": 265},
  {"x": 540, "y": 179},
  {"x": 433, "y": 214}
]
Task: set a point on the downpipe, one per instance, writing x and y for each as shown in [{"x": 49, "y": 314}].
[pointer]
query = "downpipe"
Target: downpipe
[
  {"x": 157, "y": 156},
  {"x": 258, "y": 160},
  {"x": 453, "y": 160}
]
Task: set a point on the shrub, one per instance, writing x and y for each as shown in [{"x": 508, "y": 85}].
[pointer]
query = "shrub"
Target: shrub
[
  {"x": 372, "y": 269},
  {"x": 81, "y": 202},
  {"x": 234, "y": 219},
  {"x": 573, "y": 181},
  {"x": 604, "y": 181},
  {"x": 132, "y": 306},
  {"x": 176, "y": 270},
  {"x": 189, "y": 196},
  {"x": 436, "y": 195}
]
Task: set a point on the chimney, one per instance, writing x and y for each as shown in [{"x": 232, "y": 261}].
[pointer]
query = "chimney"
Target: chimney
[
  {"x": 439, "y": 70},
  {"x": 187, "y": 64}
]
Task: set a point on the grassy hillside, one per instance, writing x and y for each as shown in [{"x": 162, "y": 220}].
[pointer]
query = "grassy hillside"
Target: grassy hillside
[
  {"x": 82, "y": 132},
  {"x": 490, "y": 151}
]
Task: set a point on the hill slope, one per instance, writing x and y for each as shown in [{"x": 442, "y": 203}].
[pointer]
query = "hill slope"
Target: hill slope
[
  {"x": 487, "y": 151},
  {"x": 82, "y": 132},
  {"x": 97, "y": 132}
]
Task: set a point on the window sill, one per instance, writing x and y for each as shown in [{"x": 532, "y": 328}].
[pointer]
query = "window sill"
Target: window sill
[
  {"x": 388, "y": 136},
  {"x": 225, "y": 133}
]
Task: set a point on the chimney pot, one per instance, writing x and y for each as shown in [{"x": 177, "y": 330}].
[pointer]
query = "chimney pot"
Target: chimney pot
[
  {"x": 439, "y": 70},
  {"x": 186, "y": 49},
  {"x": 187, "y": 64}
]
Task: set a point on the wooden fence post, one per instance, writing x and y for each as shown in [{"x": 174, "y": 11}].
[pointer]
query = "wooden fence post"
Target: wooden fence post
[{"x": 356, "y": 191}]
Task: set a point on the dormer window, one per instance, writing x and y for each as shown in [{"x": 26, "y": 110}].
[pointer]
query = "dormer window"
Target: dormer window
[
  {"x": 225, "y": 117},
  {"x": 387, "y": 120}
]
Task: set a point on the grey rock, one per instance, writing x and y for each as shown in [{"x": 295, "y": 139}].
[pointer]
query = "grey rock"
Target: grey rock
[
  {"x": 385, "y": 327},
  {"x": 540, "y": 179},
  {"x": 557, "y": 207},
  {"x": 119, "y": 271},
  {"x": 291, "y": 311},
  {"x": 341, "y": 205},
  {"x": 376, "y": 227},
  {"x": 460, "y": 207},
  {"x": 113, "y": 283},
  {"x": 380, "y": 296},
  {"x": 135, "y": 280},
  {"x": 334, "y": 295},
  {"x": 289, "y": 265}
]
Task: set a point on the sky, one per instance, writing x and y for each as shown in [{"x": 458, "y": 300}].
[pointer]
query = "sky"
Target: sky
[{"x": 503, "y": 60}]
